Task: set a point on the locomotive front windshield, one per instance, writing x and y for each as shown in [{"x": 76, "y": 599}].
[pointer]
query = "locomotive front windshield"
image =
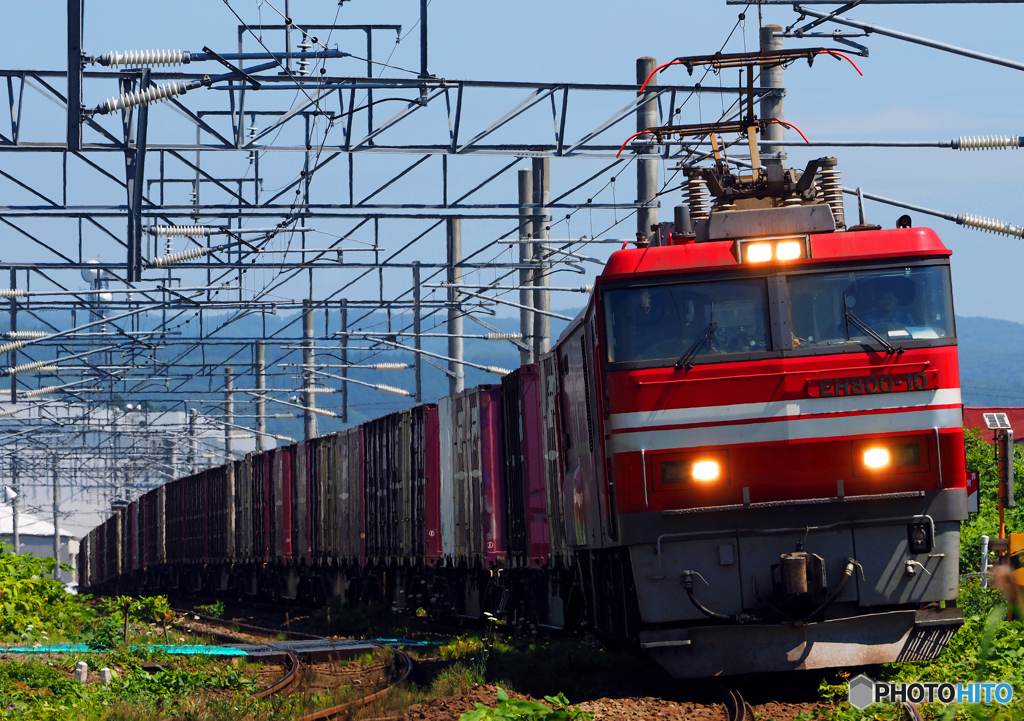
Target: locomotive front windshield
[
  {"x": 666, "y": 321},
  {"x": 896, "y": 304},
  {"x": 829, "y": 311}
]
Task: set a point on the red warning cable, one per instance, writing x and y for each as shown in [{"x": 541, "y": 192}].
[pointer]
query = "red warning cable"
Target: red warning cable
[
  {"x": 787, "y": 124},
  {"x": 844, "y": 56},
  {"x": 655, "y": 71},
  {"x": 630, "y": 138}
]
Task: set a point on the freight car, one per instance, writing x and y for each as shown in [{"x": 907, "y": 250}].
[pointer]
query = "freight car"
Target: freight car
[{"x": 745, "y": 454}]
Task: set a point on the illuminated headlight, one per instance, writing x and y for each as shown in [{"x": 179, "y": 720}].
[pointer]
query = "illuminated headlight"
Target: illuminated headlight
[
  {"x": 759, "y": 252},
  {"x": 876, "y": 458},
  {"x": 705, "y": 471},
  {"x": 788, "y": 250}
]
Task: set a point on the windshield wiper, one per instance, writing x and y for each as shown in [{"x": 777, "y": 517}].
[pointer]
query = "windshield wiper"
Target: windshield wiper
[
  {"x": 686, "y": 361},
  {"x": 867, "y": 330}
]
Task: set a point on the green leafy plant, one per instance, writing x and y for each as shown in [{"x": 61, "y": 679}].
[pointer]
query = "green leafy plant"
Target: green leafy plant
[
  {"x": 35, "y": 607},
  {"x": 214, "y": 610},
  {"x": 511, "y": 708}
]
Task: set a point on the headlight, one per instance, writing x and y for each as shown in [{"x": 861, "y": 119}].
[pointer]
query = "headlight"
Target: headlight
[
  {"x": 759, "y": 252},
  {"x": 705, "y": 471},
  {"x": 788, "y": 250},
  {"x": 876, "y": 457}
]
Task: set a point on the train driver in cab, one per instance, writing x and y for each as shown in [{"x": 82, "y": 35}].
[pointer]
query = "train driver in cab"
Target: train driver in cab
[{"x": 887, "y": 302}]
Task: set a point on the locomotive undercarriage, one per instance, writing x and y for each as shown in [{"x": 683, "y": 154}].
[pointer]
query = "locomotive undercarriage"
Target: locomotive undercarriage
[{"x": 887, "y": 572}]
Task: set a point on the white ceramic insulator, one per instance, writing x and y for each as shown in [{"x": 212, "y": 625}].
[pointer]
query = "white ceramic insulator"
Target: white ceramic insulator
[
  {"x": 26, "y": 334},
  {"x": 149, "y": 95},
  {"x": 12, "y": 293},
  {"x": 392, "y": 389},
  {"x": 504, "y": 336},
  {"x": 181, "y": 230},
  {"x": 990, "y": 225},
  {"x": 27, "y": 367},
  {"x": 498, "y": 371},
  {"x": 388, "y": 366},
  {"x": 174, "y": 258},
  {"x": 44, "y": 391},
  {"x": 11, "y": 347},
  {"x": 316, "y": 390},
  {"x": 140, "y": 58},
  {"x": 987, "y": 142}
]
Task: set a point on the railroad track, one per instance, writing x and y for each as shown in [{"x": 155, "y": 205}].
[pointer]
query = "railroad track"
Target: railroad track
[{"x": 736, "y": 708}]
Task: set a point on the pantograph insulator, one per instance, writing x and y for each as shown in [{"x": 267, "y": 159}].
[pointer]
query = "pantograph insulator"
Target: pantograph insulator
[
  {"x": 498, "y": 371},
  {"x": 140, "y": 58},
  {"x": 182, "y": 230},
  {"x": 988, "y": 142},
  {"x": 174, "y": 258},
  {"x": 697, "y": 195},
  {"x": 142, "y": 97},
  {"x": 831, "y": 186},
  {"x": 990, "y": 225}
]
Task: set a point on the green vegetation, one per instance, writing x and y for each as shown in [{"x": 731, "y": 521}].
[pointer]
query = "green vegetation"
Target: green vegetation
[
  {"x": 986, "y": 648},
  {"x": 213, "y": 610},
  {"x": 510, "y": 708},
  {"x": 34, "y": 607}
]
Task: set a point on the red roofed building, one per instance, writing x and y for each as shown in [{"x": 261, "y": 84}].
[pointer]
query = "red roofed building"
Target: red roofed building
[{"x": 973, "y": 419}]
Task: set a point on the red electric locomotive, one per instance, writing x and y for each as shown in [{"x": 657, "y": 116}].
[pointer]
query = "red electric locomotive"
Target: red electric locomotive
[{"x": 761, "y": 433}]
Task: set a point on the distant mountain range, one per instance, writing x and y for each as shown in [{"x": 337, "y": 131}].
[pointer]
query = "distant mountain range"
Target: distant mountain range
[{"x": 991, "y": 361}]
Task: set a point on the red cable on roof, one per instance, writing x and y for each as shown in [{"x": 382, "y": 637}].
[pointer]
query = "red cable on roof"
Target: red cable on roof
[
  {"x": 786, "y": 124},
  {"x": 844, "y": 56},
  {"x": 628, "y": 139},
  {"x": 661, "y": 67}
]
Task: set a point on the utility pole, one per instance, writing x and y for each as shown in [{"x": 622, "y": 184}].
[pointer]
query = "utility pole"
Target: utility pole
[
  {"x": 56, "y": 515},
  {"x": 193, "y": 440},
  {"x": 14, "y": 327},
  {"x": 648, "y": 160},
  {"x": 416, "y": 329},
  {"x": 541, "y": 295},
  {"x": 773, "y": 106},
  {"x": 229, "y": 412},
  {"x": 308, "y": 374},
  {"x": 261, "y": 403},
  {"x": 456, "y": 381},
  {"x": 344, "y": 359},
  {"x": 526, "y": 260}
]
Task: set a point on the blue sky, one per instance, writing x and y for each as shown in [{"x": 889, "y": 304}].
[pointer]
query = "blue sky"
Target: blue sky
[{"x": 907, "y": 93}]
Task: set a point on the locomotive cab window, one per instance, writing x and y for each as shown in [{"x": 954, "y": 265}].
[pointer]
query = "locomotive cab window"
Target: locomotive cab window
[
  {"x": 666, "y": 322},
  {"x": 857, "y": 307}
]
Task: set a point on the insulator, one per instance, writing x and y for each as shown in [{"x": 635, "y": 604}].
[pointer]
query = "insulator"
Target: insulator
[
  {"x": 181, "y": 230},
  {"x": 26, "y": 334},
  {"x": 504, "y": 336},
  {"x": 169, "y": 246},
  {"x": 791, "y": 200},
  {"x": 721, "y": 205},
  {"x": 498, "y": 371},
  {"x": 315, "y": 390},
  {"x": 697, "y": 192},
  {"x": 990, "y": 226},
  {"x": 305, "y": 45},
  {"x": 139, "y": 58},
  {"x": 11, "y": 347},
  {"x": 174, "y": 258},
  {"x": 392, "y": 389},
  {"x": 44, "y": 391},
  {"x": 27, "y": 367},
  {"x": 831, "y": 186},
  {"x": 149, "y": 95},
  {"x": 387, "y": 366},
  {"x": 12, "y": 293},
  {"x": 987, "y": 142}
]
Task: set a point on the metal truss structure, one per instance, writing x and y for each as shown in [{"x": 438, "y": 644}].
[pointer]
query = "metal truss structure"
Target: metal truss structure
[{"x": 263, "y": 225}]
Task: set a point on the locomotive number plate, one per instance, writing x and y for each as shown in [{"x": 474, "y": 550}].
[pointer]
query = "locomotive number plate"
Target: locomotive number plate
[{"x": 867, "y": 385}]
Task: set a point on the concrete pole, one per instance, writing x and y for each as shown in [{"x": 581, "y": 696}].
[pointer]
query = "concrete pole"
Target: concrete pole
[
  {"x": 773, "y": 107},
  {"x": 13, "y": 356},
  {"x": 417, "y": 329},
  {"x": 308, "y": 375},
  {"x": 16, "y": 487},
  {"x": 457, "y": 383},
  {"x": 526, "y": 258},
  {"x": 56, "y": 515},
  {"x": 344, "y": 360},
  {"x": 229, "y": 412},
  {"x": 647, "y": 164},
  {"x": 261, "y": 403},
  {"x": 541, "y": 280},
  {"x": 193, "y": 440}
]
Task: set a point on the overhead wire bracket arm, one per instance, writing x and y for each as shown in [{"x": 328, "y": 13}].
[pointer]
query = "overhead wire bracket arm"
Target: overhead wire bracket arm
[{"x": 238, "y": 71}]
